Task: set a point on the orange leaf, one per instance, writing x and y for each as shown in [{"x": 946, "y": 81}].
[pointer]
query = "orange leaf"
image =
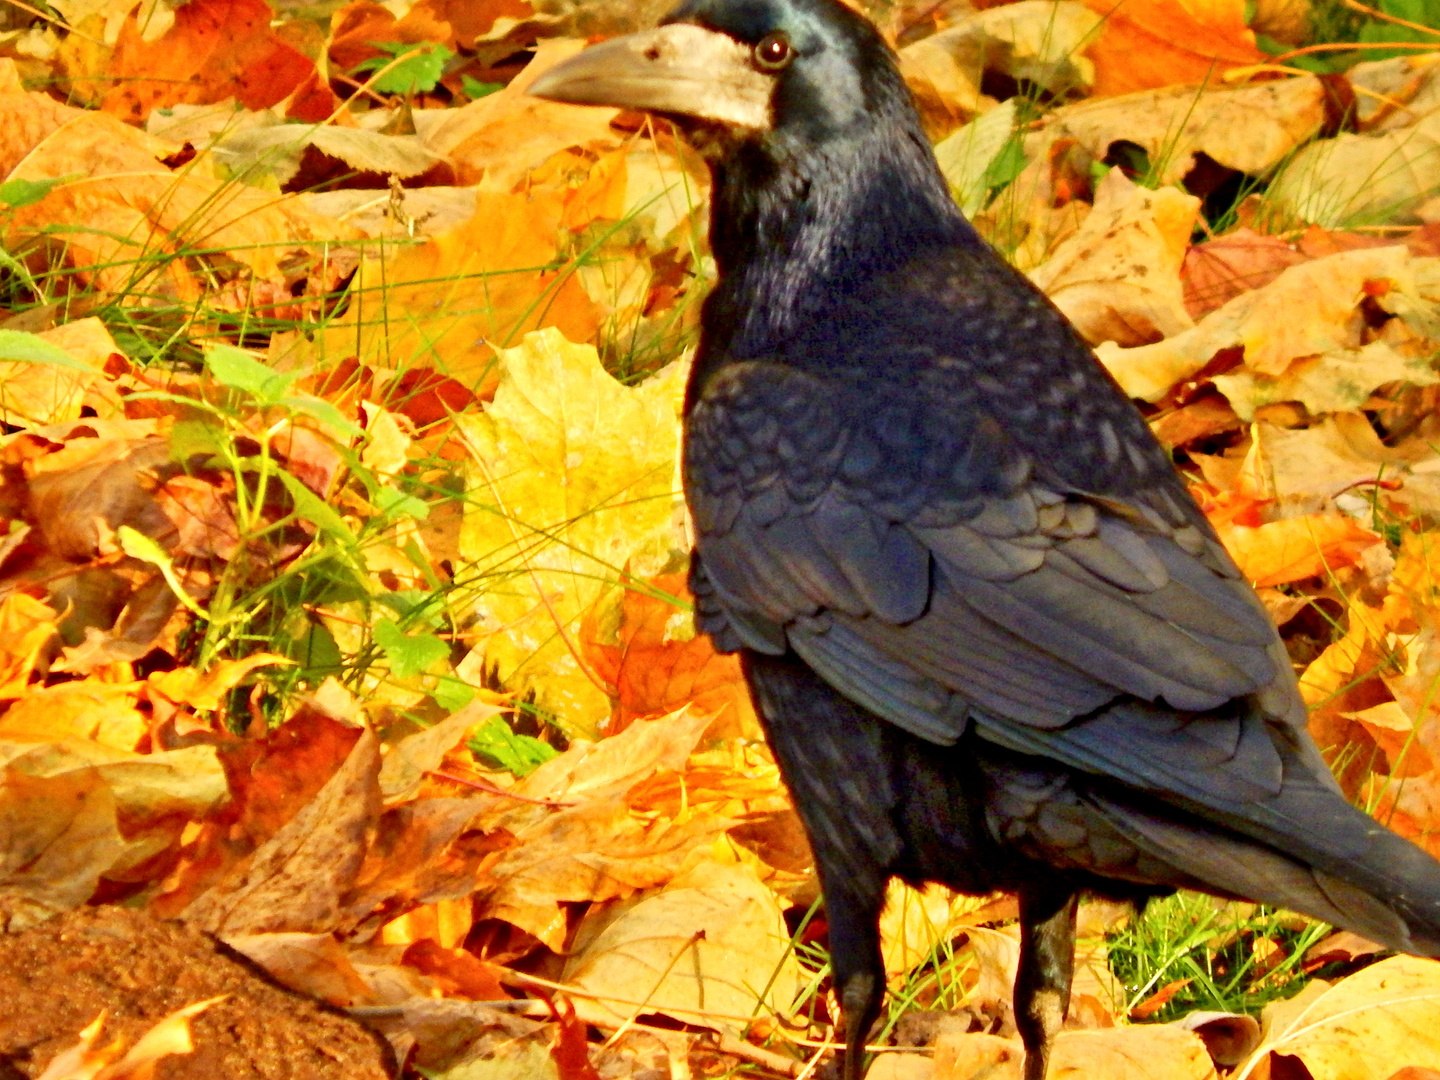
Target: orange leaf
[
  {"x": 659, "y": 663},
  {"x": 1151, "y": 43},
  {"x": 217, "y": 49},
  {"x": 1293, "y": 549}
]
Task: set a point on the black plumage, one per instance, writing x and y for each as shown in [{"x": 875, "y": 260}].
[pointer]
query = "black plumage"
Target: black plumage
[{"x": 993, "y": 641}]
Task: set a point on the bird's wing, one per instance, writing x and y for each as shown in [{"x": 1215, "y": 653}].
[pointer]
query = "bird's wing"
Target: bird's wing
[{"x": 912, "y": 553}]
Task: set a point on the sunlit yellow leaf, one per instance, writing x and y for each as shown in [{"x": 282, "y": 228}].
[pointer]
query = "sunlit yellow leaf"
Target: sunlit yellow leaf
[{"x": 573, "y": 474}]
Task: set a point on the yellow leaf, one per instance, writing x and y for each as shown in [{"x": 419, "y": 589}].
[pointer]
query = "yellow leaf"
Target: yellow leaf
[
  {"x": 1362, "y": 1028},
  {"x": 1121, "y": 1053},
  {"x": 574, "y": 474},
  {"x": 709, "y": 948}
]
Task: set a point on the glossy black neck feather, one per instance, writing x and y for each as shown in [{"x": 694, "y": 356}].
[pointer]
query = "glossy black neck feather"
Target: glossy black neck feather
[{"x": 804, "y": 216}]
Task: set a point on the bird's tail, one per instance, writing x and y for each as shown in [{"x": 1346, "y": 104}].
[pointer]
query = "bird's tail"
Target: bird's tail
[{"x": 1310, "y": 851}]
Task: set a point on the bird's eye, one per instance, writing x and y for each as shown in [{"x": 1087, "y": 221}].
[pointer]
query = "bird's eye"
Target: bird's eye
[{"x": 773, "y": 52}]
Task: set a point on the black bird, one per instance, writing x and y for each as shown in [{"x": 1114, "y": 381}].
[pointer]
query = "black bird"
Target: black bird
[{"x": 993, "y": 641}]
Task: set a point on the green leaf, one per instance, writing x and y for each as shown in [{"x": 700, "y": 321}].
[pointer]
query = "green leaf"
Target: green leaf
[
  {"x": 409, "y": 654},
  {"x": 25, "y": 348},
  {"x": 18, "y": 193},
  {"x": 452, "y": 694},
  {"x": 196, "y": 438},
  {"x": 408, "y": 68},
  {"x": 519, "y": 754},
  {"x": 310, "y": 507},
  {"x": 239, "y": 370},
  {"x": 393, "y": 503},
  {"x": 475, "y": 89},
  {"x": 321, "y": 410},
  {"x": 139, "y": 546}
]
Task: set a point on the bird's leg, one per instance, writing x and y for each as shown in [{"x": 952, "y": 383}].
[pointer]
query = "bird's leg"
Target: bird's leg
[
  {"x": 859, "y": 971},
  {"x": 1047, "y": 962}
]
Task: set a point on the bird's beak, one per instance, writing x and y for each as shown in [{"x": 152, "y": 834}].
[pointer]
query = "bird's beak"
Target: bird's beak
[{"x": 678, "y": 70}]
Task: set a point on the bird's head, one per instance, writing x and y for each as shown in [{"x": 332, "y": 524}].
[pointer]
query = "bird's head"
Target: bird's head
[{"x": 785, "y": 74}]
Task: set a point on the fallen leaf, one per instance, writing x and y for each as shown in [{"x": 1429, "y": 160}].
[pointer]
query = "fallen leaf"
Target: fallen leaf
[
  {"x": 1363, "y": 1027},
  {"x": 58, "y": 837},
  {"x": 658, "y": 662},
  {"x": 1118, "y": 278},
  {"x": 709, "y": 948},
  {"x": 1150, "y": 43},
  {"x": 574, "y": 475},
  {"x": 1292, "y": 549},
  {"x": 1123, "y": 1053},
  {"x": 216, "y": 49},
  {"x": 297, "y": 878}
]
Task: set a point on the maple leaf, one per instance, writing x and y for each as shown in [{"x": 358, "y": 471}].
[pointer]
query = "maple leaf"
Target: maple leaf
[{"x": 573, "y": 475}]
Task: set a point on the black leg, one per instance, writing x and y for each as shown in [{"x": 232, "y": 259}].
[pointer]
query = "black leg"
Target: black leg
[
  {"x": 858, "y": 969},
  {"x": 1047, "y": 962}
]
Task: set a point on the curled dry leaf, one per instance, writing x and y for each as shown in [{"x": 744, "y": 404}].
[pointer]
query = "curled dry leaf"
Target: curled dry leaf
[
  {"x": 1118, "y": 278},
  {"x": 1250, "y": 129},
  {"x": 1262, "y": 322}
]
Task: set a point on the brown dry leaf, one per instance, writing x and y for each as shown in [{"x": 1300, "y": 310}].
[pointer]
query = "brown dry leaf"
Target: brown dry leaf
[
  {"x": 1293, "y": 549},
  {"x": 155, "y": 794},
  {"x": 710, "y": 947},
  {"x": 409, "y": 759},
  {"x": 598, "y": 850},
  {"x": 1361, "y": 1028},
  {"x": 1152, "y": 43},
  {"x": 657, "y": 663},
  {"x": 38, "y": 391},
  {"x": 1250, "y": 129},
  {"x": 592, "y": 842},
  {"x": 1122, "y": 1053},
  {"x": 574, "y": 476},
  {"x": 1222, "y": 268},
  {"x": 271, "y": 778},
  {"x": 58, "y": 836},
  {"x": 296, "y": 879},
  {"x": 216, "y": 49},
  {"x": 1118, "y": 278},
  {"x": 314, "y": 964},
  {"x": 1262, "y": 322}
]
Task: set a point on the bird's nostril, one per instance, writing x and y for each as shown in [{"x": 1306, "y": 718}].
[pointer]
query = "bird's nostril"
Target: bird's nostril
[{"x": 652, "y": 53}]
